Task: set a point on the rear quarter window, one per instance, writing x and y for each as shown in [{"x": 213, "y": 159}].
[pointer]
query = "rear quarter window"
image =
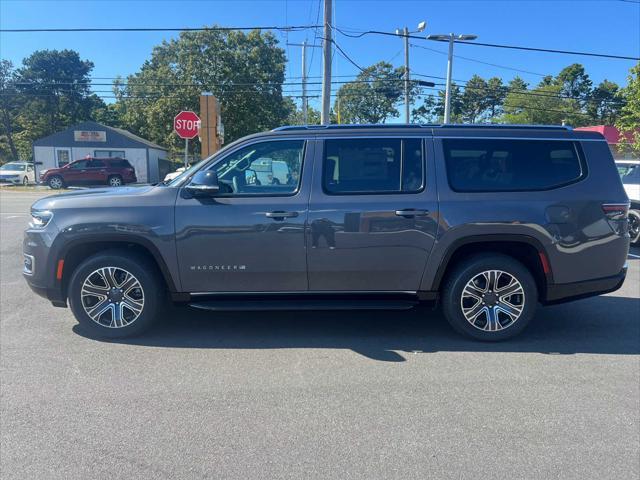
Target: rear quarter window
[{"x": 495, "y": 165}]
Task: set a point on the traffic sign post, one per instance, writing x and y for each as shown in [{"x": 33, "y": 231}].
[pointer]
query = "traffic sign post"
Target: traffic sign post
[{"x": 186, "y": 124}]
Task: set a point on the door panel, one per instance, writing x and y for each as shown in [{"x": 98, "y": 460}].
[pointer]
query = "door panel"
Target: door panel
[
  {"x": 369, "y": 242},
  {"x": 249, "y": 243}
]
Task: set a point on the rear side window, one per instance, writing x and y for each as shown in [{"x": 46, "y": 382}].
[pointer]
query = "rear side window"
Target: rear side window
[
  {"x": 119, "y": 163},
  {"x": 490, "y": 165},
  {"x": 373, "y": 165}
]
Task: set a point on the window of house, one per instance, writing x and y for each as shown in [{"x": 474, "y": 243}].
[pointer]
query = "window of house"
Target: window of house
[
  {"x": 109, "y": 153},
  {"x": 373, "y": 165},
  {"x": 494, "y": 165}
]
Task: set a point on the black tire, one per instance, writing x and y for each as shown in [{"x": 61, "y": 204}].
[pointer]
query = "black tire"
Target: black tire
[
  {"x": 113, "y": 179},
  {"x": 473, "y": 268},
  {"x": 634, "y": 227},
  {"x": 25, "y": 181},
  {"x": 144, "y": 272},
  {"x": 53, "y": 182}
]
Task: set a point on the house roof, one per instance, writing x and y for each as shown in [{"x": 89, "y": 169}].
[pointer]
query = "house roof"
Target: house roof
[{"x": 116, "y": 138}]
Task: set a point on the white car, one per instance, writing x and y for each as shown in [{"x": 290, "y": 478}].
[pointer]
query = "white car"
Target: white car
[
  {"x": 630, "y": 174},
  {"x": 17, "y": 173},
  {"x": 170, "y": 176}
]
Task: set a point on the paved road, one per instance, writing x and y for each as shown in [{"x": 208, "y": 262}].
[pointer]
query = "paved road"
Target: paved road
[{"x": 316, "y": 395}]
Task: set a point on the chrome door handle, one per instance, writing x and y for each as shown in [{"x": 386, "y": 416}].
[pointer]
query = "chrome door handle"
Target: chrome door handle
[
  {"x": 410, "y": 212},
  {"x": 281, "y": 215}
]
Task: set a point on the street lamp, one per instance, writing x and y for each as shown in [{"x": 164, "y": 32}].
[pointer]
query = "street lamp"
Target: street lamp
[
  {"x": 405, "y": 33},
  {"x": 451, "y": 38}
]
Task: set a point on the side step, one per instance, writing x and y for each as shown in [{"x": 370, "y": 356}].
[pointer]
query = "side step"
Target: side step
[{"x": 305, "y": 304}]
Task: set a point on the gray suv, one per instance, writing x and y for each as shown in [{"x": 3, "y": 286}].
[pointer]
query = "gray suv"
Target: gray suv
[{"x": 488, "y": 220}]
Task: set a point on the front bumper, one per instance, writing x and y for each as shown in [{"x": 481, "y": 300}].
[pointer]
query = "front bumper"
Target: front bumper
[
  {"x": 11, "y": 180},
  {"x": 567, "y": 292}
]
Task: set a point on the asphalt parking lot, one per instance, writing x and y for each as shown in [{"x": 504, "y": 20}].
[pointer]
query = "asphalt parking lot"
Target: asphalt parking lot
[{"x": 315, "y": 395}]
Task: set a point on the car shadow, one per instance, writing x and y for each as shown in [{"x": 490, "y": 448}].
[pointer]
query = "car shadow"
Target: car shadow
[{"x": 599, "y": 325}]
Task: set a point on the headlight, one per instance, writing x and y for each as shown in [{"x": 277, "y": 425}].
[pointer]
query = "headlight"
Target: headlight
[{"x": 40, "y": 218}]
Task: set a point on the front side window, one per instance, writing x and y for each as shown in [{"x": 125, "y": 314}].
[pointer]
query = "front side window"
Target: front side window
[
  {"x": 494, "y": 165},
  {"x": 265, "y": 168},
  {"x": 80, "y": 164},
  {"x": 373, "y": 165}
]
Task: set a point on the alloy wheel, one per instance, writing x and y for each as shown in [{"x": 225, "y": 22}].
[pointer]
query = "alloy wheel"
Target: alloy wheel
[
  {"x": 55, "y": 183},
  {"x": 492, "y": 300},
  {"x": 634, "y": 226},
  {"x": 112, "y": 297},
  {"x": 115, "y": 182}
]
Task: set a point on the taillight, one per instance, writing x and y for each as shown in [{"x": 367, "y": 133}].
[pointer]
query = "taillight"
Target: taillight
[
  {"x": 616, "y": 214},
  {"x": 616, "y": 211}
]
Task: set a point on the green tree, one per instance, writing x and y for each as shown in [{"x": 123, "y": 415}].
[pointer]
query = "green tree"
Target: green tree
[
  {"x": 58, "y": 83},
  {"x": 496, "y": 93},
  {"x": 629, "y": 121},
  {"x": 432, "y": 109},
  {"x": 604, "y": 103},
  {"x": 541, "y": 106},
  {"x": 474, "y": 100},
  {"x": 9, "y": 105},
  {"x": 296, "y": 117},
  {"x": 574, "y": 83},
  {"x": 373, "y": 97},
  {"x": 245, "y": 71}
]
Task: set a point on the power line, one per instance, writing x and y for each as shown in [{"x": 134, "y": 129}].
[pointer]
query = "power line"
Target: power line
[
  {"x": 159, "y": 29},
  {"x": 495, "y": 45}
]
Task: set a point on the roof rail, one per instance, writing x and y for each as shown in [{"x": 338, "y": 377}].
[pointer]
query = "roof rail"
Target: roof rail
[{"x": 420, "y": 125}]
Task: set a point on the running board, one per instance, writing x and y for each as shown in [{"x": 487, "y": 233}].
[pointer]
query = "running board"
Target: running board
[{"x": 304, "y": 304}]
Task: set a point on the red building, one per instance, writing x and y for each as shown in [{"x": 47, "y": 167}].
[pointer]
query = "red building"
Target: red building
[{"x": 618, "y": 142}]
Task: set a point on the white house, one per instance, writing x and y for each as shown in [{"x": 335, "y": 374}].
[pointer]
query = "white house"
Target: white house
[{"x": 92, "y": 139}]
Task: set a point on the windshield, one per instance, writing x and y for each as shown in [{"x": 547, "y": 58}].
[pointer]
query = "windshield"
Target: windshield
[{"x": 14, "y": 166}]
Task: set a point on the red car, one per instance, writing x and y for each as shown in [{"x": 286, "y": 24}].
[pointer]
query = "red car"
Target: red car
[{"x": 114, "y": 172}]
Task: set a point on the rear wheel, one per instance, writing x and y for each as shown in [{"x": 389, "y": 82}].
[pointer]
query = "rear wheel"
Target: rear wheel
[
  {"x": 115, "y": 294},
  {"x": 25, "y": 181},
  {"x": 55, "y": 182},
  {"x": 115, "y": 181},
  {"x": 634, "y": 226},
  {"x": 490, "y": 297}
]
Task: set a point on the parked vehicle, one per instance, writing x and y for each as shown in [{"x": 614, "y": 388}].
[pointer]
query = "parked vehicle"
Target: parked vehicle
[
  {"x": 488, "y": 220},
  {"x": 630, "y": 174},
  {"x": 114, "y": 172},
  {"x": 171, "y": 175},
  {"x": 17, "y": 173}
]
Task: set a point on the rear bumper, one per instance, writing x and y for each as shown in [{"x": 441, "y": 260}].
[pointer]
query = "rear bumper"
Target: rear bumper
[{"x": 567, "y": 292}]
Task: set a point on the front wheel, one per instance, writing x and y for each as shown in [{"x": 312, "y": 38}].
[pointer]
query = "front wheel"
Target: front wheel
[
  {"x": 115, "y": 181},
  {"x": 55, "y": 182},
  {"x": 634, "y": 226},
  {"x": 115, "y": 294},
  {"x": 490, "y": 297},
  {"x": 25, "y": 181}
]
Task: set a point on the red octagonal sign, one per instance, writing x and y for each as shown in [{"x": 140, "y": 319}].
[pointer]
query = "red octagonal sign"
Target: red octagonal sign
[{"x": 186, "y": 124}]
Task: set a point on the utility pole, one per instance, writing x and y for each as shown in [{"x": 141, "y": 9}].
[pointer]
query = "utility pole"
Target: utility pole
[
  {"x": 451, "y": 38},
  {"x": 407, "y": 78},
  {"x": 447, "y": 94},
  {"x": 326, "y": 65},
  {"x": 305, "y": 98},
  {"x": 407, "y": 105}
]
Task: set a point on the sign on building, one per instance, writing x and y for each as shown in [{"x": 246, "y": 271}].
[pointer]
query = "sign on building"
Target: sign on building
[{"x": 90, "y": 135}]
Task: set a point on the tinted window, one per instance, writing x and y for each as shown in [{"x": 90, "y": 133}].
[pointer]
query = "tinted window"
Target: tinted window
[
  {"x": 97, "y": 164},
  {"x": 265, "y": 168},
  {"x": 378, "y": 165},
  {"x": 119, "y": 163},
  {"x": 80, "y": 164},
  {"x": 510, "y": 165}
]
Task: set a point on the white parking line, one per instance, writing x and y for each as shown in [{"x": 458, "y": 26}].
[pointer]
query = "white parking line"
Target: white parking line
[{"x": 632, "y": 255}]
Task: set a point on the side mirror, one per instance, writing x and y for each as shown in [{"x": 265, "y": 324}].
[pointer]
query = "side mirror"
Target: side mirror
[{"x": 204, "y": 184}]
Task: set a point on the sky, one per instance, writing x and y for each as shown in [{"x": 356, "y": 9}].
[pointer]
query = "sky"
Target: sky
[{"x": 601, "y": 26}]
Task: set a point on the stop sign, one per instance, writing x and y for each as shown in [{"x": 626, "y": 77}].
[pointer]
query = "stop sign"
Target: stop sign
[{"x": 186, "y": 124}]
